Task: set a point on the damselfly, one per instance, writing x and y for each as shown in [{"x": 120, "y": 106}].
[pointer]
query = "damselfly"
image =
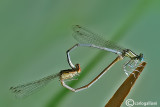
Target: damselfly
[{"x": 87, "y": 38}]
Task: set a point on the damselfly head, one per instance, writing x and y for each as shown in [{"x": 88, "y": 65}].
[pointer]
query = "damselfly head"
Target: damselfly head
[
  {"x": 140, "y": 57},
  {"x": 78, "y": 68}
]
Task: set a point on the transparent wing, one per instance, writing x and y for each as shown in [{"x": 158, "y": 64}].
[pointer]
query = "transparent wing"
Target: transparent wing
[
  {"x": 29, "y": 88},
  {"x": 85, "y": 36}
]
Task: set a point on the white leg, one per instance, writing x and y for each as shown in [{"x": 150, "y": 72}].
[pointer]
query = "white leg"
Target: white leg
[{"x": 124, "y": 67}]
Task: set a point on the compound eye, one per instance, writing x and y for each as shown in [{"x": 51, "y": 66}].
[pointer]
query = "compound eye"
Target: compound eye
[
  {"x": 77, "y": 66},
  {"x": 142, "y": 59}
]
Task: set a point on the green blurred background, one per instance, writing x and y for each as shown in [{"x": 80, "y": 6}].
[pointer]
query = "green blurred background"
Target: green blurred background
[{"x": 35, "y": 34}]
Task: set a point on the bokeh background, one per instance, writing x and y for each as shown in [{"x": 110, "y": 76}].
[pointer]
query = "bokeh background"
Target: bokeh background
[{"x": 35, "y": 34}]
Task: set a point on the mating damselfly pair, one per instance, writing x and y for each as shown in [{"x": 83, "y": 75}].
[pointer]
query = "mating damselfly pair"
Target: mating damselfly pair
[{"x": 86, "y": 38}]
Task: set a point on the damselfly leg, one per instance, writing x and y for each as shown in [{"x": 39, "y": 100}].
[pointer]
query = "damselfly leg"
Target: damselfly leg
[{"x": 129, "y": 66}]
